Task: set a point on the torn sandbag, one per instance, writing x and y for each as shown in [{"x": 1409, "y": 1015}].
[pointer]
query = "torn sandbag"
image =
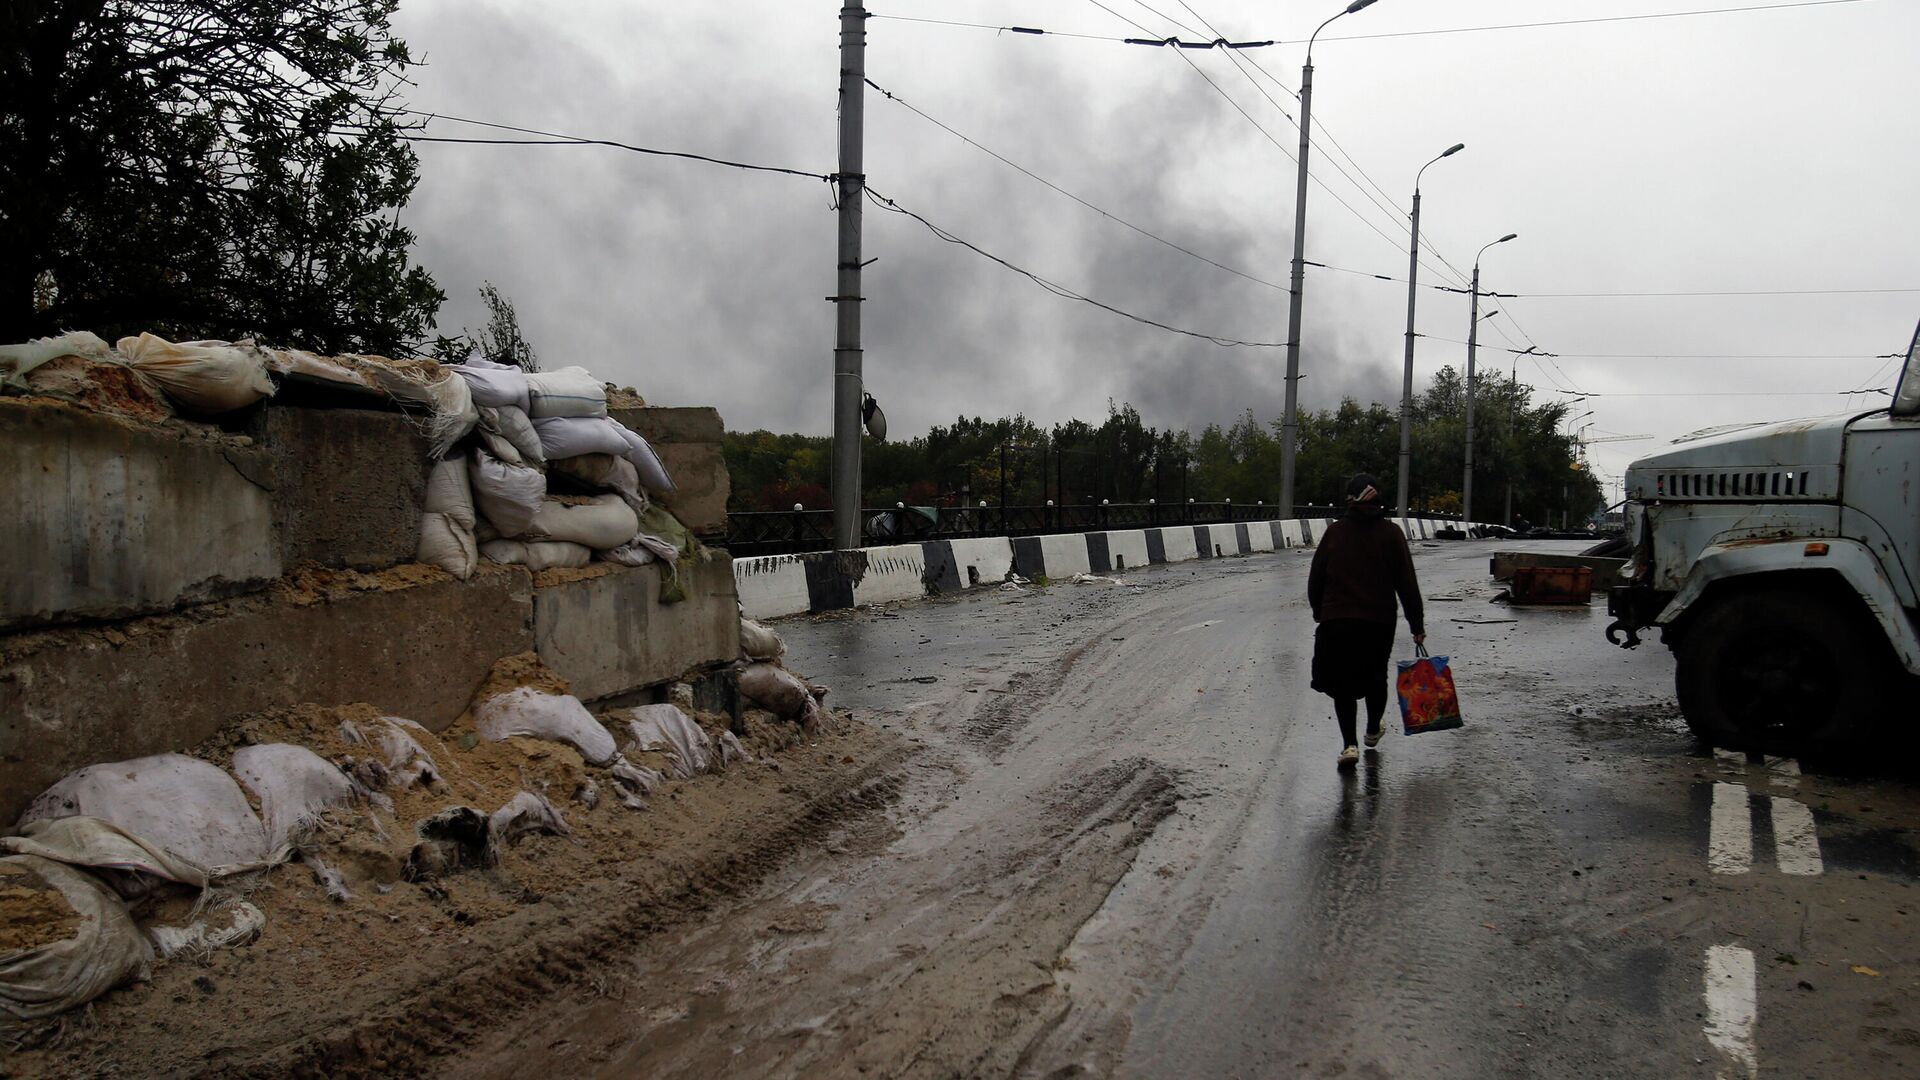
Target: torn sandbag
[
  {"x": 452, "y": 840},
  {"x": 506, "y": 495},
  {"x": 313, "y": 366},
  {"x": 446, "y": 528},
  {"x": 81, "y": 940},
  {"x": 567, "y": 391},
  {"x": 555, "y": 717},
  {"x": 538, "y": 555},
  {"x": 204, "y": 376},
  {"x": 665, "y": 727},
  {"x": 759, "y": 642},
  {"x": 525, "y": 814},
  {"x": 17, "y": 360},
  {"x": 226, "y": 923},
  {"x": 731, "y": 751},
  {"x": 605, "y": 522},
  {"x": 407, "y": 760},
  {"x": 131, "y": 865},
  {"x": 494, "y": 385},
  {"x": 181, "y": 803},
  {"x": 601, "y": 472},
  {"x": 653, "y": 474},
  {"x": 636, "y": 783},
  {"x": 779, "y": 691},
  {"x": 331, "y": 881},
  {"x": 452, "y": 412},
  {"x": 294, "y": 786}
]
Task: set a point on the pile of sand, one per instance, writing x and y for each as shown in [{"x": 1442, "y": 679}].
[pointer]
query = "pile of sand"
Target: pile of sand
[
  {"x": 33, "y": 912},
  {"x": 101, "y": 386}
]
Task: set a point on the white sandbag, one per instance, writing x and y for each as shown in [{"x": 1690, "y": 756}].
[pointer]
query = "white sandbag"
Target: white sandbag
[
  {"x": 506, "y": 495},
  {"x": 494, "y": 384},
  {"x": 183, "y": 804},
  {"x": 446, "y": 528},
  {"x": 571, "y": 436},
  {"x": 775, "y": 689},
  {"x": 205, "y": 376},
  {"x": 17, "y": 360},
  {"x": 629, "y": 554},
  {"x": 231, "y": 923},
  {"x": 313, "y": 366},
  {"x": 759, "y": 642},
  {"x": 294, "y": 786},
  {"x": 636, "y": 783},
  {"x": 606, "y": 522},
  {"x": 104, "y": 950},
  {"x": 130, "y": 865},
  {"x": 665, "y": 727},
  {"x": 653, "y": 475},
  {"x": 524, "y": 814},
  {"x": 519, "y": 431},
  {"x": 491, "y": 438},
  {"x": 540, "y": 715},
  {"x": 731, "y": 751},
  {"x": 538, "y": 555},
  {"x": 568, "y": 391},
  {"x": 606, "y": 472},
  {"x": 407, "y": 761},
  {"x": 422, "y": 382}
]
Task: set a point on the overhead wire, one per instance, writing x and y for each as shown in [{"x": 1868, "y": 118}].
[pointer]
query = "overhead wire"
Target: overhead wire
[{"x": 1597, "y": 19}]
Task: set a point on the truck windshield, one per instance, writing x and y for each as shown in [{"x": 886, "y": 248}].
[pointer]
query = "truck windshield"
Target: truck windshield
[{"x": 1906, "y": 394}]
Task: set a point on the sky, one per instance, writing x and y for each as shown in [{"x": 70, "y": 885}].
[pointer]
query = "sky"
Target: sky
[{"x": 1769, "y": 153}]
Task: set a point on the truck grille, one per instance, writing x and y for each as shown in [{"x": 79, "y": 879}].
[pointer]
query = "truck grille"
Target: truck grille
[{"x": 1731, "y": 485}]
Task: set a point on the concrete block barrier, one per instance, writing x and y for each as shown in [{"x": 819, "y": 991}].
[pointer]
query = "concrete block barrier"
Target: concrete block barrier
[
  {"x": 1258, "y": 536},
  {"x": 1126, "y": 550},
  {"x": 772, "y": 585},
  {"x": 1176, "y": 544},
  {"x": 891, "y": 573}
]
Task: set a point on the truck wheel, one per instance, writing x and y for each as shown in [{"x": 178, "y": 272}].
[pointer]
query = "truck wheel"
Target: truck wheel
[{"x": 1780, "y": 671}]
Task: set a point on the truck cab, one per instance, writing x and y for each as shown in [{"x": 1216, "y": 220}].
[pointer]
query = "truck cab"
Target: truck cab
[{"x": 1781, "y": 563}]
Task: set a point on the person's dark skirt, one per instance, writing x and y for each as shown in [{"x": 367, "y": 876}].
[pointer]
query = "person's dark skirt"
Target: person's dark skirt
[{"x": 1350, "y": 657}]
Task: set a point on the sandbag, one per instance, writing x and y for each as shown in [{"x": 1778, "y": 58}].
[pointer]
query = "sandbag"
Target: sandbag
[
  {"x": 607, "y": 522},
  {"x": 524, "y": 814},
  {"x": 653, "y": 475},
  {"x": 778, "y": 691},
  {"x": 538, "y": 555},
  {"x": 233, "y": 922},
  {"x": 629, "y": 554},
  {"x": 604, "y": 472},
  {"x": 423, "y": 382},
  {"x": 494, "y": 385},
  {"x": 506, "y": 495},
  {"x": 102, "y": 949},
  {"x": 408, "y": 762},
  {"x": 568, "y": 391},
  {"x": 665, "y": 727},
  {"x": 571, "y": 436},
  {"x": 130, "y": 865},
  {"x": 514, "y": 427},
  {"x": 205, "y": 376},
  {"x": 294, "y": 786},
  {"x": 446, "y": 528},
  {"x": 555, "y": 717},
  {"x": 759, "y": 642},
  {"x": 492, "y": 440},
  {"x": 183, "y": 804},
  {"x": 17, "y": 360},
  {"x": 325, "y": 368}
]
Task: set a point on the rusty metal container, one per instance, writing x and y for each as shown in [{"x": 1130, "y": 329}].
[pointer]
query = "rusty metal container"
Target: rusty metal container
[{"x": 1552, "y": 585}]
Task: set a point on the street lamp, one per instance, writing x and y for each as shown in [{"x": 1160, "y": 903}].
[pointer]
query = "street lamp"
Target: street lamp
[
  {"x": 1406, "y": 384},
  {"x": 1473, "y": 337},
  {"x": 1290, "y": 425}
]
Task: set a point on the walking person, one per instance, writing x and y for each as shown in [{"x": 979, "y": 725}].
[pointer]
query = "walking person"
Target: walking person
[{"x": 1360, "y": 568}]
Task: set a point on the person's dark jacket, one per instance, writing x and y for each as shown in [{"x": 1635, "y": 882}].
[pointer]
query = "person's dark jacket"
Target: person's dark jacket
[{"x": 1362, "y": 563}]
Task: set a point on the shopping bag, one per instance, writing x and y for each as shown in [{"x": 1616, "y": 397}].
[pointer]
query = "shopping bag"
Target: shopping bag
[{"x": 1427, "y": 698}]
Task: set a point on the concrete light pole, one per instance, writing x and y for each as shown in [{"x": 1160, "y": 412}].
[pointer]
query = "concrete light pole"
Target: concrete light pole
[
  {"x": 1290, "y": 422},
  {"x": 1473, "y": 337},
  {"x": 848, "y": 386},
  {"x": 1406, "y": 385}
]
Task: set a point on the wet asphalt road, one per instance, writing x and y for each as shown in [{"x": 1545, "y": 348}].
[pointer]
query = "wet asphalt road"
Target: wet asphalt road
[{"x": 1123, "y": 849}]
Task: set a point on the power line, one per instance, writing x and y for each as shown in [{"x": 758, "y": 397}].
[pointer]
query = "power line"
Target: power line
[
  {"x": 1034, "y": 31},
  {"x": 1601, "y": 19},
  {"x": 1030, "y": 174},
  {"x": 1059, "y": 290},
  {"x": 1705, "y": 292},
  {"x": 552, "y": 138}
]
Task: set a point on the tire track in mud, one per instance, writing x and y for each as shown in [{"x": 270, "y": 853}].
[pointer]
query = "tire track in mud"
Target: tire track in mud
[{"x": 434, "y": 1018}]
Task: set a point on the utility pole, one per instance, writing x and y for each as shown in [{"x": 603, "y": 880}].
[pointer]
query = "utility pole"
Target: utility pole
[
  {"x": 1473, "y": 337},
  {"x": 848, "y": 387},
  {"x": 1406, "y": 386}
]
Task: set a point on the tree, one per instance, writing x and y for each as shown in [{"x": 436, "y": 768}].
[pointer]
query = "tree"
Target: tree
[{"x": 203, "y": 169}]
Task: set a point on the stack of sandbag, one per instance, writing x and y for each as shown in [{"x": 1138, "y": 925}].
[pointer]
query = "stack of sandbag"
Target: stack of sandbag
[{"x": 533, "y": 428}]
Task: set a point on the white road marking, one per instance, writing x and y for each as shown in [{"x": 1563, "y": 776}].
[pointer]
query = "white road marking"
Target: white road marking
[
  {"x": 1733, "y": 1007},
  {"x": 1730, "y": 831},
  {"x": 1796, "y": 847}
]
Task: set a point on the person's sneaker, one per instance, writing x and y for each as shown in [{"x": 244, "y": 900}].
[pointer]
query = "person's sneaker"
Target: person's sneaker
[
  {"x": 1374, "y": 736},
  {"x": 1349, "y": 757}
]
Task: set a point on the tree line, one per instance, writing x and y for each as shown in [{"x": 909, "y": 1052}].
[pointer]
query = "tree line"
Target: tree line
[{"x": 1013, "y": 461}]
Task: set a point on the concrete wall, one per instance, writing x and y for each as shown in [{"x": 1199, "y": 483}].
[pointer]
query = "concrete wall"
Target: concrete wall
[
  {"x": 610, "y": 633},
  {"x": 348, "y": 484},
  {"x": 892, "y": 573},
  {"x": 108, "y": 518},
  {"x": 72, "y": 697},
  {"x": 688, "y": 441}
]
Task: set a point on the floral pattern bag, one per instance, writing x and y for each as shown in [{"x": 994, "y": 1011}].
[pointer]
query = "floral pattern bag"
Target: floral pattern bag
[{"x": 1427, "y": 698}]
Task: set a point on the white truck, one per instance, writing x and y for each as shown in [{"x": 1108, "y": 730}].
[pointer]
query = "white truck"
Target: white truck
[{"x": 1781, "y": 563}]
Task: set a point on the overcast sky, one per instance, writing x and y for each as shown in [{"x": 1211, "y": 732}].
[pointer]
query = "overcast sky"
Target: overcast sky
[{"x": 1736, "y": 152}]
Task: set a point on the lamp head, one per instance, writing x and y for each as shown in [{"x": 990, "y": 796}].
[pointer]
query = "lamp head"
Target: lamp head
[
  {"x": 1509, "y": 236},
  {"x": 1358, "y": 5},
  {"x": 1454, "y": 149}
]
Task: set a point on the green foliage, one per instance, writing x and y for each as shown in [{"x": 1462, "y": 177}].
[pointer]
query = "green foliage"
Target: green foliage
[
  {"x": 1124, "y": 461},
  {"x": 499, "y": 340},
  {"x": 208, "y": 170}
]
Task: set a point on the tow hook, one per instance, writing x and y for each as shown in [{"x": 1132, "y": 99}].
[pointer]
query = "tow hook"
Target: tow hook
[{"x": 1632, "y": 632}]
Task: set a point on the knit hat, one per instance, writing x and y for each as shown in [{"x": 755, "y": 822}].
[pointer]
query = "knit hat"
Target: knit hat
[{"x": 1363, "y": 489}]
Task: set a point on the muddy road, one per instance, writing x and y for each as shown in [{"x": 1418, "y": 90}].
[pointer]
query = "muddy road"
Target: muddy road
[{"x": 1122, "y": 849}]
